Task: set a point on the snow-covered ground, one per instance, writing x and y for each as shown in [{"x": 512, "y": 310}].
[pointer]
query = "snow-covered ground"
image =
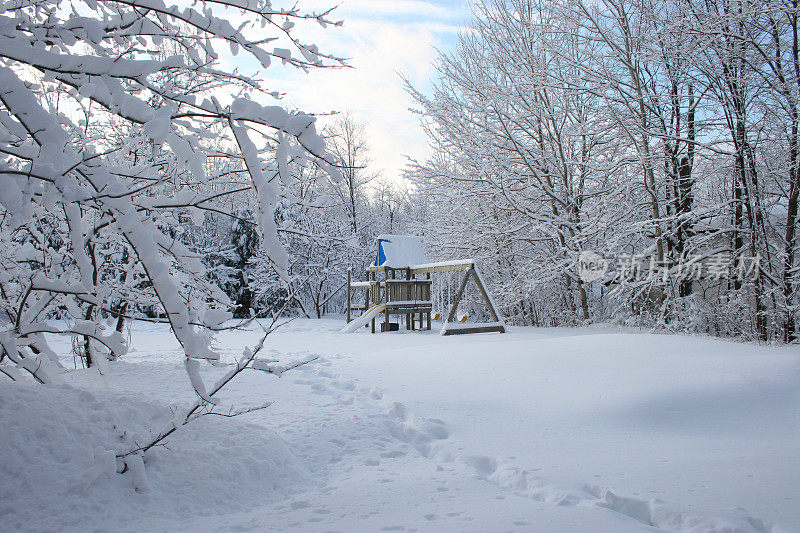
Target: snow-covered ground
[{"x": 533, "y": 430}]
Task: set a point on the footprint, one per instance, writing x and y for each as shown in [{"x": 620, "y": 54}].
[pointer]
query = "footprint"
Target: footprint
[
  {"x": 486, "y": 466},
  {"x": 436, "y": 428},
  {"x": 399, "y": 410},
  {"x": 636, "y": 509},
  {"x": 394, "y": 453}
]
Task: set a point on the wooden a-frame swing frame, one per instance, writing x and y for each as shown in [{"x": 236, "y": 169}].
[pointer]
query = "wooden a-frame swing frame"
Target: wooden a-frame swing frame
[{"x": 453, "y": 328}]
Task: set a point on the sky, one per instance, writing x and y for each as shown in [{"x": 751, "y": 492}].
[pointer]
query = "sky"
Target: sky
[{"x": 382, "y": 39}]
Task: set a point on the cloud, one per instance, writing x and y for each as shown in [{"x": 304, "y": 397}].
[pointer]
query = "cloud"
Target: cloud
[
  {"x": 381, "y": 53},
  {"x": 384, "y": 41}
]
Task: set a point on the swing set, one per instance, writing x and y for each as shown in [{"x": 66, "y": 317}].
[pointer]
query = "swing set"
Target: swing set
[{"x": 399, "y": 283}]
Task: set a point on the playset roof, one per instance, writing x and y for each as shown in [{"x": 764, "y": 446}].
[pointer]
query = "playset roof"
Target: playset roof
[{"x": 400, "y": 251}]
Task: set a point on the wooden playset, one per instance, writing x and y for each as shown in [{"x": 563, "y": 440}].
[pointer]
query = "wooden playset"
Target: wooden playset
[{"x": 399, "y": 283}]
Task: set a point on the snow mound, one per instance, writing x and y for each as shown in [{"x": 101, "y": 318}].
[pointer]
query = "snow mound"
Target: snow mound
[{"x": 213, "y": 466}]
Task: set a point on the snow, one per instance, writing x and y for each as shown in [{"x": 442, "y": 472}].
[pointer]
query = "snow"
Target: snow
[
  {"x": 455, "y": 262},
  {"x": 50, "y": 480},
  {"x": 402, "y": 251},
  {"x": 532, "y": 430}
]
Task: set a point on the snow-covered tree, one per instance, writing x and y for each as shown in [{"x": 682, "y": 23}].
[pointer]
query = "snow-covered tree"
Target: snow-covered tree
[
  {"x": 665, "y": 131},
  {"x": 522, "y": 149},
  {"x": 119, "y": 122}
]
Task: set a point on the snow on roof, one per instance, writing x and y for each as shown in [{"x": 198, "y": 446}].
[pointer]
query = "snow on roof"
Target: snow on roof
[{"x": 400, "y": 251}]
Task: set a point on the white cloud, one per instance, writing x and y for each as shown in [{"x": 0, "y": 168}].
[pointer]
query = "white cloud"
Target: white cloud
[
  {"x": 380, "y": 52},
  {"x": 383, "y": 39}
]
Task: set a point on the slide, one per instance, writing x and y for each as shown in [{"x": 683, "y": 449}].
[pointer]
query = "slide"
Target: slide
[{"x": 364, "y": 319}]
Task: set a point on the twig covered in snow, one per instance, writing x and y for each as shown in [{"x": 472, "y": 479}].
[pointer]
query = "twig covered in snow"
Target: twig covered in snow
[{"x": 205, "y": 405}]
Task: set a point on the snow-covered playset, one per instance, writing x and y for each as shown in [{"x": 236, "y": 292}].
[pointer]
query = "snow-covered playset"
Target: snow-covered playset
[{"x": 395, "y": 286}]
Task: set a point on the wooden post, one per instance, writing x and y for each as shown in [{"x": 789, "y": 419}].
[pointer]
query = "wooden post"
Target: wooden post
[
  {"x": 457, "y": 299},
  {"x": 430, "y": 297},
  {"x": 485, "y": 295},
  {"x": 349, "y": 280},
  {"x": 367, "y": 294},
  {"x": 375, "y": 297},
  {"x": 387, "y": 295}
]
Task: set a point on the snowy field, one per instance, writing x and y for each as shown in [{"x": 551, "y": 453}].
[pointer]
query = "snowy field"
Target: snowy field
[{"x": 534, "y": 430}]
